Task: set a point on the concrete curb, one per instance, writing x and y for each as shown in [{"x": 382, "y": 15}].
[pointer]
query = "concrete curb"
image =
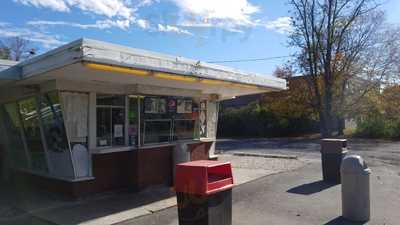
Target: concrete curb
[{"x": 275, "y": 156}]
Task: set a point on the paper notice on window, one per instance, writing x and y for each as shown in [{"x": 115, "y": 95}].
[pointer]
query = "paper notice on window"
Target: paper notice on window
[
  {"x": 184, "y": 106},
  {"x": 118, "y": 130}
]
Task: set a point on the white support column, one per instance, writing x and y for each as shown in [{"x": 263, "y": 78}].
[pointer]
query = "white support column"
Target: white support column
[
  {"x": 212, "y": 124},
  {"x": 92, "y": 121}
]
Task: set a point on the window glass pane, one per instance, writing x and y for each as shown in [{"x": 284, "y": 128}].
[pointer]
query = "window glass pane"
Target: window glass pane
[
  {"x": 184, "y": 106},
  {"x": 118, "y": 126},
  {"x": 53, "y": 123},
  {"x": 133, "y": 118},
  {"x": 111, "y": 100},
  {"x": 110, "y": 120},
  {"x": 155, "y": 105},
  {"x": 11, "y": 136},
  {"x": 56, "y": 139},
  {"x": 184, "y": 129},
  {"x": 30, "y": 124},
  {"x": 157, "y": 131},
  {"x": 171, "y": 118},
  {"x": 103, "y": 127}
]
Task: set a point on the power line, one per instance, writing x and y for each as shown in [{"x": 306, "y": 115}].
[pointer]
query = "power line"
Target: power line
[{"x": 249, "y": 60}]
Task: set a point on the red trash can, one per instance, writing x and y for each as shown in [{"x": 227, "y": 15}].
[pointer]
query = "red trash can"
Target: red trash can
[{"x": 204, "y": 192}]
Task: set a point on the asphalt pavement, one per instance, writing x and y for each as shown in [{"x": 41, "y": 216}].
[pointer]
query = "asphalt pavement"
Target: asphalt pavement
[{"x": 300, "y": 197}]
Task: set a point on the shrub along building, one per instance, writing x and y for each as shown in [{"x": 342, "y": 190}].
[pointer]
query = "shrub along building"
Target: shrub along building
[{"x": 91, "y": 116}]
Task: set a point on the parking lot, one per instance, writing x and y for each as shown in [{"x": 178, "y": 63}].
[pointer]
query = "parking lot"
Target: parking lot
[
  {"x": 299, "y": 196},
  {"x": 269, "y": 190}
]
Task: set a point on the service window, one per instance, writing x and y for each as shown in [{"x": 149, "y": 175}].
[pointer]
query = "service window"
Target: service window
[
  {"x": 157, "y": 131},
  {"x": 110, "y": 120},
  {"x": 169, "y": 118},
  {"x": 156, "y": 122}
]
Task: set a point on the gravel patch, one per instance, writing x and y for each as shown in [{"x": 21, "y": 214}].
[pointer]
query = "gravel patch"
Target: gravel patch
[{"x": 248, "y": 168}]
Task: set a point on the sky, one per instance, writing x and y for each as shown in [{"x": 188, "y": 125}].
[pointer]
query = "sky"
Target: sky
[{"x": 206, "y": 30}]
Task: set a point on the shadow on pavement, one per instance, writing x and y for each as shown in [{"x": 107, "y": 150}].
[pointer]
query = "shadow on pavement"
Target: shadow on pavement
[
  {"x": 342, "y": 221},
  {"x": 311, "y": 188}
]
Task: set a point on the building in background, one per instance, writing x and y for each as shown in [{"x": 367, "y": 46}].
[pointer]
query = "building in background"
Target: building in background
[{"x": 91, "y": 116}]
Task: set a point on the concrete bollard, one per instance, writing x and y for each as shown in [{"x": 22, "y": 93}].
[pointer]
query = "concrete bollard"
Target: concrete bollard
[
  {"x": 355, "y": 189},
  {"x": 332, "y": 153}
]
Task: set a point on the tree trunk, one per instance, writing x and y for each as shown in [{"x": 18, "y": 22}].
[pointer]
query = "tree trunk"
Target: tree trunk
[
  {"x": 341, "y": 126},
  {"x": 326, "y": 114}
]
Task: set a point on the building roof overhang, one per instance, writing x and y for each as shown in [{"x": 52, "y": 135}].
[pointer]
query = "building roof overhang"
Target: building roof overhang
[{"x": 91, "y": 60}]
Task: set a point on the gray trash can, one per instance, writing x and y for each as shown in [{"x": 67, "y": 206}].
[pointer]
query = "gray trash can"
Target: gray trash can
[
  {"x": 355, "y": 189},
  {"x": 332, "y": 153},
  {"x": 181, "y": 155}
]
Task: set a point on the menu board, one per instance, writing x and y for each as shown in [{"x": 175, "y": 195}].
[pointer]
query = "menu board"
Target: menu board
[
  {"x": 184, "y": 106},
  {"x": 155, "y": 105}
]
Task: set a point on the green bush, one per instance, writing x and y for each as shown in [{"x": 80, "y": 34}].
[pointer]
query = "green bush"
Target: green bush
[
  {"x": 377, "y": 126},
  {"x": 371, "y": 127},
  {"x": 256, "y": 121}
]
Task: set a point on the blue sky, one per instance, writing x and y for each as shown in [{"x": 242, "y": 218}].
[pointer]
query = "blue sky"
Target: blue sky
[{"x": 207, "y": 30}]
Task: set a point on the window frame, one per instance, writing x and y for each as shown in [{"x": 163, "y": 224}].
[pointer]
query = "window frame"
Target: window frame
[
  {"x": 111, "y": 107},
  {"x": 171, "y": 121},
  {"x": 141, "y": 122},
  {"x": 37, "y": 97}
]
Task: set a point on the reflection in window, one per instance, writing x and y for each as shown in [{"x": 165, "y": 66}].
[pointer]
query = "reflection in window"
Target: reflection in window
[
  {"x": 155, "y": 105},
  {"x": 55, "y": 135},
  {"x": 30, "y": 125},
  {"x": 110, "y": 120},
  {"x": 11, "y": 136},
  {"x": 184, "y": 129},
  {"x": 157, "y": 131}
]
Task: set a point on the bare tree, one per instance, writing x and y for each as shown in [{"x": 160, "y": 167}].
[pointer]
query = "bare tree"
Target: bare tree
[
  {"x": 17, "y": 48},
  {"x": 336, "y": 38},
  {"x": 284, "y": 72}
]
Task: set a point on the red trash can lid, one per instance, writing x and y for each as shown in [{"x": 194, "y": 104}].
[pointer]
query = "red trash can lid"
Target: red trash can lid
[{"x": 203, "y": 177}]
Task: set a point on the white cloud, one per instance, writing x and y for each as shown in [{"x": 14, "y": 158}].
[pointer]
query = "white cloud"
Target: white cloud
[
  {"x": 3, "y": 24},
  {"x": 239, "y": 11},
  {"x": 57, "y": 5},
  {"x": 231, "y": 27},
  {"x": 108, "y": 8},
  {"x": 172, "y": 29},
  {"x": 46, "y": 40},
  {"x": 118, "y": 13},
  {"x": 281, "y": 25},
  {"x": 231, "y": 15},
  {"x": 100, "y": 24},
  {"x": 144, "y": 24}
]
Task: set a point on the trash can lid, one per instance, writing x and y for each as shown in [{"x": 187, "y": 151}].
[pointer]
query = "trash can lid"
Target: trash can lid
[
  {"x": 354, "y": 164},
  {"x": 203, "y": 177},
  {"x": 334, "y": 140}
]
